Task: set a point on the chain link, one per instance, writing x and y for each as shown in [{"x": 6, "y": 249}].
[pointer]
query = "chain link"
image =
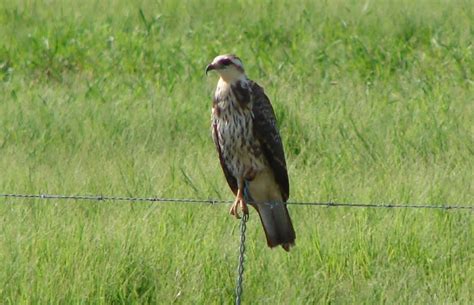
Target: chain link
[{"x": 240, "y": 269}]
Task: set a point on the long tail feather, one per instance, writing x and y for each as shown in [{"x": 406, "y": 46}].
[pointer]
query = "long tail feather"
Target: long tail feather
[
  {"x": 276, "y": 221},
  {"x": 277, "y": 224}
]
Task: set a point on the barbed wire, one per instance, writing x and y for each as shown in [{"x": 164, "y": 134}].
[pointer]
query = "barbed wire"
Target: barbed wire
[{"x": 219, "y": 201}]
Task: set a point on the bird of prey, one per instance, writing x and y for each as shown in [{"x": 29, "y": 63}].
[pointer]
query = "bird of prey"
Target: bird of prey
[{"x": 250, "y": 149}]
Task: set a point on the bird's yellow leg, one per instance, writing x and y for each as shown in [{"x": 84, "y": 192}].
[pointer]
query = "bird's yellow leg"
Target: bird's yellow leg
[{"x": 239, "y": 201}]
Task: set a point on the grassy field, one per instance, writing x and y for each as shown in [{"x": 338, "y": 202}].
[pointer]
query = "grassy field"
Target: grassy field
[{"x": 375, "y": 103}]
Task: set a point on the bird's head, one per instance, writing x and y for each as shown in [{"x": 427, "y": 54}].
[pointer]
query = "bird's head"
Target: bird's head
[{"x": 229, "y": 67}]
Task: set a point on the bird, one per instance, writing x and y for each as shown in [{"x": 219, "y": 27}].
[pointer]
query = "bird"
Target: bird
[{"x": 248, "y": 143}]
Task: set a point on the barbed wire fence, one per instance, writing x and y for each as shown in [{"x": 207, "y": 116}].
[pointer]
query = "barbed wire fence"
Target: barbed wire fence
[
  {"x": 243, "y": 220},
  {"x": 219, "y": 201}
]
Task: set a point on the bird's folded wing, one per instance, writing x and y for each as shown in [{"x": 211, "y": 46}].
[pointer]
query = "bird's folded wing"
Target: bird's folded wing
[{"x": 266, "y": 131}]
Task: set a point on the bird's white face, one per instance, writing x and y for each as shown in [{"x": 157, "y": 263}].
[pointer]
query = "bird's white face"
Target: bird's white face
[{"x": 229, "y": 67}]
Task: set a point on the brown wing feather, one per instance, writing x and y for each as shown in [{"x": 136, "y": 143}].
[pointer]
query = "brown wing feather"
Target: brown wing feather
[
  {"x": 266, "y": 131},
  {"x": 228, "y": 176}
]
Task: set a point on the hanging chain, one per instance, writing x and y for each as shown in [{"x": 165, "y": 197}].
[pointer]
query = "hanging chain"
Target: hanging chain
[{"x": 240, "y": 269}]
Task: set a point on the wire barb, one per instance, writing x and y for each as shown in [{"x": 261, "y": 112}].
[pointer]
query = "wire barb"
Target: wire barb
[{"x": 240, "y": 269}]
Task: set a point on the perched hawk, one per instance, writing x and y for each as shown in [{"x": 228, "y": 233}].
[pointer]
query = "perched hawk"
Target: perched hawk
[{"x": 250, "y": 150}]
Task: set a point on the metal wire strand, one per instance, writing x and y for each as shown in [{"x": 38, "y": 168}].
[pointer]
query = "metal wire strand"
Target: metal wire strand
[
  {"x": 240, "y": 269},
  {"x": 218, "y": 201}
]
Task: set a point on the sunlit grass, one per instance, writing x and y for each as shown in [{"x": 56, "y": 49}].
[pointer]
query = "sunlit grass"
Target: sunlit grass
[{"x": 374, "y": 102}]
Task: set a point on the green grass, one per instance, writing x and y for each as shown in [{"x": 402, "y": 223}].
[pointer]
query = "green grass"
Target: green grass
[{"x": 375, "y": 104}]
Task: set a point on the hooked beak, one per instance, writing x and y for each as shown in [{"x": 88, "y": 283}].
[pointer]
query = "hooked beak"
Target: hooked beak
[{"x": 210, "y": 67}]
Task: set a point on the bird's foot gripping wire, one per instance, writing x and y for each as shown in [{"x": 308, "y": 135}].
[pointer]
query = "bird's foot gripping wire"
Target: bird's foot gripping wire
[{"x": 239, "y": 202}]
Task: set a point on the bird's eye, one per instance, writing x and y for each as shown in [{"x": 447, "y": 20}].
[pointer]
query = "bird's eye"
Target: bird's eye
[{"x": 226, "y": 62}]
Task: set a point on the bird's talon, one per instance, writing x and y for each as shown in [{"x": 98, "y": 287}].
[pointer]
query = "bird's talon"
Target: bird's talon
[
  {"x": 244, "y": 208},
  {"x": 239, "y": 203},
  {"x": 233, "y": 211}
]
